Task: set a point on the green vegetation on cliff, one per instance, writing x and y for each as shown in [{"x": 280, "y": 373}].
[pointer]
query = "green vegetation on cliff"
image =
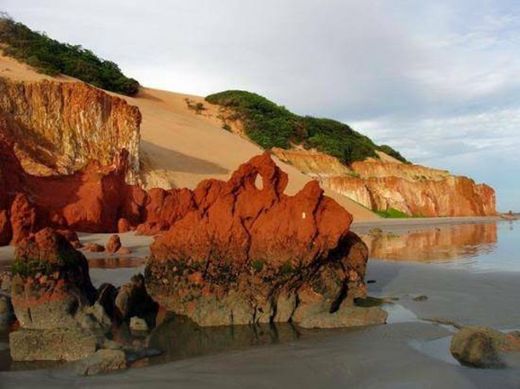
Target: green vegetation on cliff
[
  {"x": 52, "y": 57},
  {"x": 271, "y": 125},
  {"x": 392, "y": 213}
]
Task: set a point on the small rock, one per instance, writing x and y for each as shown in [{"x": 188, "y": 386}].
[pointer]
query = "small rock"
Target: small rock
[
  {"x": 124, "y": 251},
  {"x": 123, "y": 225},
  {"x": 137, "y": 324},
  {"x": 102, "y": 361},
  {"x": 94, "y": 317},
  {"x": 113, "y": 244},
  {"x": 421, "y": 297},
  {"x": 93, "y": 248},
  {"x": 133, "y": 300}
]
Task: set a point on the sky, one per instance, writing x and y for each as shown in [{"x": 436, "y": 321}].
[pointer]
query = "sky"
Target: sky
[{"x": 437, "y": 80}]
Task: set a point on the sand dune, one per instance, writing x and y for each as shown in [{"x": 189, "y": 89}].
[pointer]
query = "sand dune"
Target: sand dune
[{"x": 179, "y": 147}]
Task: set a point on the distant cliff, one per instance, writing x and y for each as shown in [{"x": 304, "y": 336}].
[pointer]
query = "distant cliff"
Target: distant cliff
[
  {"x": 387, "y": 184},
  {"x": 58, "y": 127}
]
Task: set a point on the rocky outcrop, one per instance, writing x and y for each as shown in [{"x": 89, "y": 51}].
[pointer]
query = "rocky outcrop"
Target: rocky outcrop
[
  {"x": 385, "y": 184},
  {"x": 51, "y": 282},
  {"x": 484, "y": 347},
  {"x": 248, "y": 254},
  {"x": 60, "y": 314},
  {"x": 59, "y": 127}
]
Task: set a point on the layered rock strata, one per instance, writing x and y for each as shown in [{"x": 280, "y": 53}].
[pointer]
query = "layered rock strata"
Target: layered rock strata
[
  {"x": 59, "y": 127},
  {"x": 382, "y": 185}
]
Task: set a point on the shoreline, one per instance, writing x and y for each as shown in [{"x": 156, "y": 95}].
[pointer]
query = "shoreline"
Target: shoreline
[{"x": 363, "y": 227}]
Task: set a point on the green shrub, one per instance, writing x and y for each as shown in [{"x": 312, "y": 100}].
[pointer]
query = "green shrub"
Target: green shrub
[
  {"x": 392, "y": 213},
  {"x": 271, "y": 125},
  {"x": 393, "y": 153},
  {"x": 257, "y": 265},
  {"x": 52, "y": 57}
]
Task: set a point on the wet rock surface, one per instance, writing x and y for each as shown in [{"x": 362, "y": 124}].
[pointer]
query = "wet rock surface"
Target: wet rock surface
[
  {"x": 62, "y": 317},
  {"x": 484, "y": 347},
  {"x": 102, "y": 361},
  {"x": 250, "y": 254},
  {"x": 58, "y": 344},
  {"x": 50, "y": 281}
]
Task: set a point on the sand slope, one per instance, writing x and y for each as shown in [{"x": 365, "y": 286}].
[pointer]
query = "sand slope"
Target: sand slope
[{"x": 179, "y": 147}]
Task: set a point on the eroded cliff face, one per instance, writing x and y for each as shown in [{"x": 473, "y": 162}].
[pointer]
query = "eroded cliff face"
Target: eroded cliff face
[
  {"x": 58, "y": 127},
  {"x": 413, "y": 189}
]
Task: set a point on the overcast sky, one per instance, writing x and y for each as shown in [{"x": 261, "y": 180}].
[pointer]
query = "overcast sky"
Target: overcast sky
[{"x": 438, "y": 80}]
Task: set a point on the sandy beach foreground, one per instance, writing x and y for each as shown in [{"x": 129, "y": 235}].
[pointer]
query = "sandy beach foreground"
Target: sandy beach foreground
[{"x": 410, "y": 351}]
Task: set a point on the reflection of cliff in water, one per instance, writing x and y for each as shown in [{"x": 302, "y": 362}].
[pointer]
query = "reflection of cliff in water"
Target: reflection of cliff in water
[{"x": 447, "y": 242}]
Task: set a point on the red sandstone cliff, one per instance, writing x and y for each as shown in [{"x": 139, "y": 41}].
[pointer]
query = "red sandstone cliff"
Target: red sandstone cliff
[
  {"x": 58, "y": 127},
  {"x": 383, "y": 184}
]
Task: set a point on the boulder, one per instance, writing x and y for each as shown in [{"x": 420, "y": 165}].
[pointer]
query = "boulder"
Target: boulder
[
  {"x": 59, "y": 344},
  {"x": 250, "y": 254},
  {"x": 93, "y": 248},
  {"x": 483, "y": 347},
  {"x": 113, "y": 244},
  {"x": 133, "y": 300},
  {"x": 50, "y": 281}
]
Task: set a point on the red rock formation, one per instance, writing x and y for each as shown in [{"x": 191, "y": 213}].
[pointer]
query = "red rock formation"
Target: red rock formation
[
  {"x": 50, "y": 281},
  {"x": 246, "y": 255},
  {"x": 94, "y": 199}
]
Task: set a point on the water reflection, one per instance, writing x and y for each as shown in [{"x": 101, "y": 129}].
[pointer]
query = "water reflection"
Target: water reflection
[
  {"x": 433, "y": 244},
  {"x": 179, "y": 337},
  {"x": 115, "y": 262}
]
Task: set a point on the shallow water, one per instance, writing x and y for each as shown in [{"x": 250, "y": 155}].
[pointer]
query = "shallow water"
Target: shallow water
[{"x": 480, "y": 247}]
